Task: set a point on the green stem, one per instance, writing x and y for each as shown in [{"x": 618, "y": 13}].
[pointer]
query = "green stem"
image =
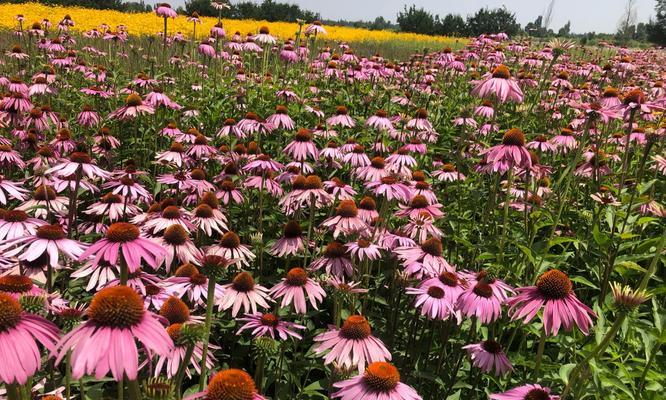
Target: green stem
[
  {"x": 121, "y": 389},
  {"x": 505, "y": 222},
  {"x": 653, "y": 264},
  {"x": 181, "y": 370},
  {"x": 13, "y": 392},
  {"x": 134, "y": 390},
  {"x": 259, "y": 372},
  {"x": 564, "y": 180},
  {"x": 124, "y": 273},
  {"x": 310, "y": 224},
  {"x": 539, "y": 356},
  {"x": 641, "y": 384},
  {"x": 279, "y": 375},
  {"x": 593, "y": 354},
  {"x": 82, "y": 389},
  {"x": 207, "y": 326},
  {"x": 618, "y": 323},
  {"x": 68, "y": 375}
]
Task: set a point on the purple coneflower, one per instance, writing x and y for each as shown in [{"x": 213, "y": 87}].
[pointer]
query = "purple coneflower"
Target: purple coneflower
[
  {"x": 448, "y": 173},
  {"x": 352, "y": 345},
  {"x": 302, "y": 147},
  {"x": 10, "y": 158},
  {"x": 106, "y": 341},
  {"x": 17, "y": 223},
  {"x": 380, "y": 121},
  {"x": 341, "y": 118},
  {"x": 346, "y": 219},
  {"x": 269, "y": 324},
  {"x": 315, "y": 28},
  {"x": 291, "y": 243},
  {"x": 172, "y": 361},
  {"x": 124, "y": 238},
  {"x": 380, "y": 381},
  {"x": 373, "y": 172},
  {"x": 526, "y": 392},
  {"x": 294, "y": 287},
  {"x": 335, "y": 261},
  {"x": 488, "y": 356},
  {"x": 264, "y": 37},
  {"x": 500, "y": 85},
  {"x": 19, "y": 334},
  {"x": 47, "y": 239},
  {"x": 133, "y": 108},
  {"x": 482, "y": 301},
  {"x": 230, "y": 247},
  {"x": 390, "y": 188},
  {"x": 561, "y": 307},
  {"x": 565, "y": 141},
  {"x": 425, "y": 259},
  {"x": 18, "y": 286},
  {"x": 11, "y": 190},
  {"x": 542, "y": 144},
  {"x": 281, "y": 119},
  {"x": 511, "y": 153},
  {"x": 243, "y": 291},
  {"x": 229, "y": 384},
  {"x": 418, "y": 205}
]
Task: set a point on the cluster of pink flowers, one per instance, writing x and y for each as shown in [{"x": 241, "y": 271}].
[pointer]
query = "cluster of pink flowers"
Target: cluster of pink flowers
[{"x": 157, "y": 216}]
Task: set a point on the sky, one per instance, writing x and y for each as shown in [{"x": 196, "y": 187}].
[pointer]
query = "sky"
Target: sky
[{"x": 585, "y": 15}]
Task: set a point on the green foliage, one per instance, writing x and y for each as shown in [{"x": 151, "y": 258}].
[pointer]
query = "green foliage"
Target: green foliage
[
  {"x": 656, "y": 30},
  {"x": 267, "y": 10},
  {"x": 492, "y": 21},
  {"x": 380, "y": 23},
  {"x": 565, "y": 30},
  {"x": 416, "y": 20},
  {"x": 452, "y": 25},
  {"x": 120, "y": 5},
  {"x": 201, "y": 7}
]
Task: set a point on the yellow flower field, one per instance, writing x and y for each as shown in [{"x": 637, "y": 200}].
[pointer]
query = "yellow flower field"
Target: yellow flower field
[{"x": 149, "y": 23}]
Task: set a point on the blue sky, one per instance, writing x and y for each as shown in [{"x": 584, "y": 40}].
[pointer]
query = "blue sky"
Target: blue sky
[{"x": 585, "y": 15}]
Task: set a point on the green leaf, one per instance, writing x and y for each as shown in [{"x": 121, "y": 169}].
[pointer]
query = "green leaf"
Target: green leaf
[
  {"x": 455, "y": 396},
  {"x": 564, "y": 372},
  {"x": 527, "y": 252},
  {"x": 584, "y": 281}
]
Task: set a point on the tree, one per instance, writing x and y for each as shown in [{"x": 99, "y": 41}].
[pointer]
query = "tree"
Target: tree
[
  {"x": 656, "y": 29},
  {"x": 451, "y": 25},
  {"x": 268, "y": 10},
  {"x": 493, "y": 21},
  {"x": 548, "y": 16},
  {"x": 201, "y": 7},
  {"x": 136, "y": 6},
  {"x": 641, "y": 32},
  {"x": 416, "y": 20},
  {"x": 626, "y": 28},
  {"x": 97, "y": 4},
  {"x": 565, "y": 30},
  {"x": 379, "y": 24},
  {"x": 534, "y": 28}
]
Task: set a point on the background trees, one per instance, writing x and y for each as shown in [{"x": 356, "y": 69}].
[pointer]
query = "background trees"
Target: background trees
[
  {"x": 492, "y": 21},
  {"x": 656, "y": 30},
  {"x": 417, "y": 20}
]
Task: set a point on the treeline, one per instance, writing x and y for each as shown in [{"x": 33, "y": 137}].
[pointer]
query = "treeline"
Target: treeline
[
  {"x": 380, "y": 23},
  {"x": 419, "y": 20},
  {"x": 125, "y": 6},
  {"x": 268, "y": 9},
  {"x": 410, "y": 19}
]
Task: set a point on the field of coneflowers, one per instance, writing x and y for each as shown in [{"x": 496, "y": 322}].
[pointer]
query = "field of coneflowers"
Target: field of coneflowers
[
  {"x": 239, "y": 216},
  {"x": 147, "y": 25}
]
